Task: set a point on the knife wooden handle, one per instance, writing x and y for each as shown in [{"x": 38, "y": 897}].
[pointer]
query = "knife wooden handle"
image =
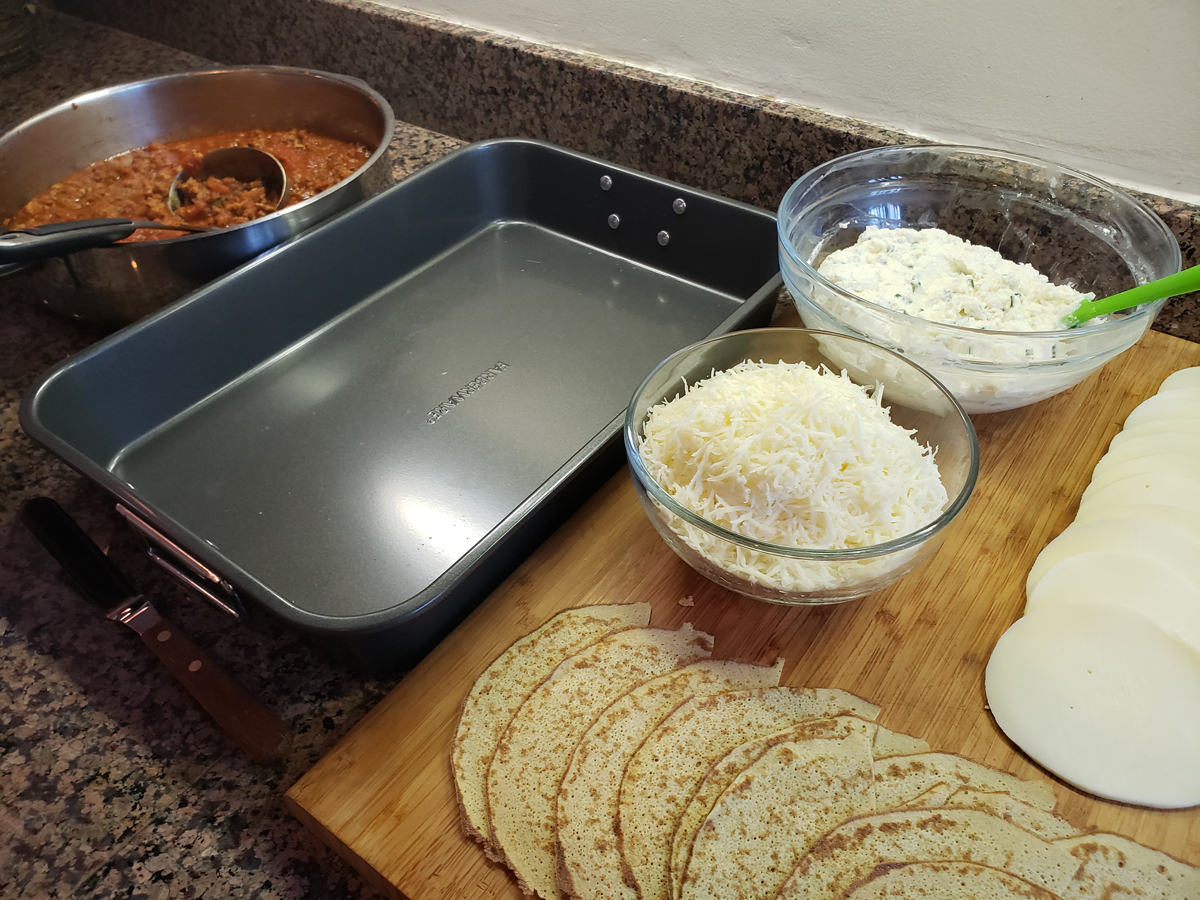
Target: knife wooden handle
[{"x": 250, "y": 724}]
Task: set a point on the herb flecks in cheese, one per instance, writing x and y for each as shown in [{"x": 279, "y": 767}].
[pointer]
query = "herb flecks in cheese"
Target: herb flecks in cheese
[
  {"x": 795, "y": 456},
  {"x": 936, "y": 276}
]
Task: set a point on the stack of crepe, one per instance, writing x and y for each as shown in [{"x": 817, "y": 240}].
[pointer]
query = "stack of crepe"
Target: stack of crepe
[{"x": 600, "y": 758}]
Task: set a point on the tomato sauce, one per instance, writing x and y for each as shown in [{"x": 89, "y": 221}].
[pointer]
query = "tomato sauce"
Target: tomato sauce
[{"x": 134, "y": 185}]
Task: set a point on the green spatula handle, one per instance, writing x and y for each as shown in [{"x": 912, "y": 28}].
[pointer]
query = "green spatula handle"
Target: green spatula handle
[{"x": 1171, "y": 286}]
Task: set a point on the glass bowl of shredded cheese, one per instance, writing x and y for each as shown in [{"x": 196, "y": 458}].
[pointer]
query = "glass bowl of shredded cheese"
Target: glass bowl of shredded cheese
[
  {"x": 965, "y": 260},
  {"x": 796, "y": 466}
]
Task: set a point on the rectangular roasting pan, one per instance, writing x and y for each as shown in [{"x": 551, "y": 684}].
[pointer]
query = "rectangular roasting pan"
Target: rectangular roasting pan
[{"x": 363, "y": 431}]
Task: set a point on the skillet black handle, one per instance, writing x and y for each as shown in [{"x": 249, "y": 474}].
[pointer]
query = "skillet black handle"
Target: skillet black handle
[{"x": 59, "y": 238}]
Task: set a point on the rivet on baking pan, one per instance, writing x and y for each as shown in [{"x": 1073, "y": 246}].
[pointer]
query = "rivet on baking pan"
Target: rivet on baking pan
[
  {"x": 664, "y": 238},
  {"x": 605, "y": 183},
  {"x": 614, "y": 220},
  {"x": 680, "y": 206}
]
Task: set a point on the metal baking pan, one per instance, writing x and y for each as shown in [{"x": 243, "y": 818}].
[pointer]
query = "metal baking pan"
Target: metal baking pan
[{"x": 363, "y": 431}]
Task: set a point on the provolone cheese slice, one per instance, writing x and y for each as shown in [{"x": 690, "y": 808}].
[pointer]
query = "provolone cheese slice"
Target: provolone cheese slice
[
  {"x": 1184, "y": 378},
  {"x": 1160, "y": 426},
  {"x": 1105, "y": 699},
  {"x": 1150, "y": 487},
  {"x": 1133, "y": 581},
  {"x": 1130, "y": 444},
  {"x": 1172, "y": 465},
  {"x": 1170, "y": 405},
  {"x": 1187, "y": 519},
  {"x": 1157, "y": 543}
]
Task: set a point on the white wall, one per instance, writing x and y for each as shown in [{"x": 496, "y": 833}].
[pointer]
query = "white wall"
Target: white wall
[{"x": 1108, "y": 86}]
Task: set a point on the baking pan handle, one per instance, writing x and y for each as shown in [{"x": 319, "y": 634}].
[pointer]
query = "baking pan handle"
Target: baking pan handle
[
  {"x": 227, "y": 603},
  {"x": 217, "y": 590}
]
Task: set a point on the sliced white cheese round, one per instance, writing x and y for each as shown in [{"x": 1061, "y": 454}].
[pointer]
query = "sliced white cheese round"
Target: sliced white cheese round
[
  {"x": 1172, "y": 405},
  {"x": 1184, "y": 378},
  {"x": 1175, "y": 464},
  {"x": 1160, "y": 543},
  {"x": 1187, "y": 519},
  {"x": 1103, "y": 698},
  {"x": 1130, "y": 444},
  {"x": 1167, "y": 595},
  {"x": 1157, "y": 427},
  {"x": 1150, "y": 487}
]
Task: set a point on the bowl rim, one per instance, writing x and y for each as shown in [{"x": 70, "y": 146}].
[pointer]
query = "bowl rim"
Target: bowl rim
[
  {"x": 1137, "y": 314},
  {"x": 905, "y": 542}
]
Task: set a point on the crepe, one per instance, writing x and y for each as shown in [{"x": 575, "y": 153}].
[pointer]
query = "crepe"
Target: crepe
[
  {"x": 503, "y": 687},
  {"x": 775, "y": 808},
  {"x": 723, "y": 773},
  {"x": 904, "y": 777},
  {"x": 1112, "y": 866},
  {"x": 754, "y": 833},
  {"x": 858, "y": 847},
  {"x": 953, "y": 880},
  {"x": 666, "y": 769},
  {"x": 534, "y": 751},
  {"x": 589, "y": 861}
]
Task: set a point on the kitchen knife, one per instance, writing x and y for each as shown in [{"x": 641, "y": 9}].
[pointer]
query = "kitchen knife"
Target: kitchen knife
[{"x": 250, "y": 724}]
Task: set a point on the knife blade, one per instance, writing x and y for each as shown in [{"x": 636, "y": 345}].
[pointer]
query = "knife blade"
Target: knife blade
[{"x": 250, "y": 724}]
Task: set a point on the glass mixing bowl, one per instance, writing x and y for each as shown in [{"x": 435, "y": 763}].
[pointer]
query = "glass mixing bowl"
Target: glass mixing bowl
[
  {"x": 801, "y": 575},
  {"x": 1071, "y": 227}
]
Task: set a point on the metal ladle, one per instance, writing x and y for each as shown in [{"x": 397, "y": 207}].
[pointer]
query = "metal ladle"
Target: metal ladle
[
  {"x": 22, "y": 246},
  {"x": 244, "y": 164}
]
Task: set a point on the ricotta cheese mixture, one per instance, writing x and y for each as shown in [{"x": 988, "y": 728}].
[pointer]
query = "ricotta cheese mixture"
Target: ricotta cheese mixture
[
  {"x": 936, "y": 276},
  {"x": 787, "y": 454}
]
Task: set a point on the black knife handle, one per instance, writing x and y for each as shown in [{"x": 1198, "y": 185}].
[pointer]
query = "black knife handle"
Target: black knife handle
[{"x": 96, "y": 576}]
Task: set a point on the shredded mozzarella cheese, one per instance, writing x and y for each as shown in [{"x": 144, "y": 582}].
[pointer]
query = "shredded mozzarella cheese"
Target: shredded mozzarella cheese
[{"x": 791, "y": 455}]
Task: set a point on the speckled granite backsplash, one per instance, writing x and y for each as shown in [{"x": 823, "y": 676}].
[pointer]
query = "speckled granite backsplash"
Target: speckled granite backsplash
[
  {"x": 474, "y": 85},
  {"x": 113, "y": 783}
]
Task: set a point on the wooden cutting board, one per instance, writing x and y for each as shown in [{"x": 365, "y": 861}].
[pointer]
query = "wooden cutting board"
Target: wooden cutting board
[{"x": 384, "y": 796}]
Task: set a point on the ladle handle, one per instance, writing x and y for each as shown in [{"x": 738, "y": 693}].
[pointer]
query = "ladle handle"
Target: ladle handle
[
  {"x": 1170, "y": 286},
  {"x": 59, "y": 238}
]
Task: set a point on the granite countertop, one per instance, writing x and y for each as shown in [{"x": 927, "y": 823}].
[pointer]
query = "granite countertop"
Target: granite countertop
[{"x": 113, "y": 783}]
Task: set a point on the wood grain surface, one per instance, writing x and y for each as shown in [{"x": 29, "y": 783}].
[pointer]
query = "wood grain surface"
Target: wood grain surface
[{"x": 384, "y": 796}]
